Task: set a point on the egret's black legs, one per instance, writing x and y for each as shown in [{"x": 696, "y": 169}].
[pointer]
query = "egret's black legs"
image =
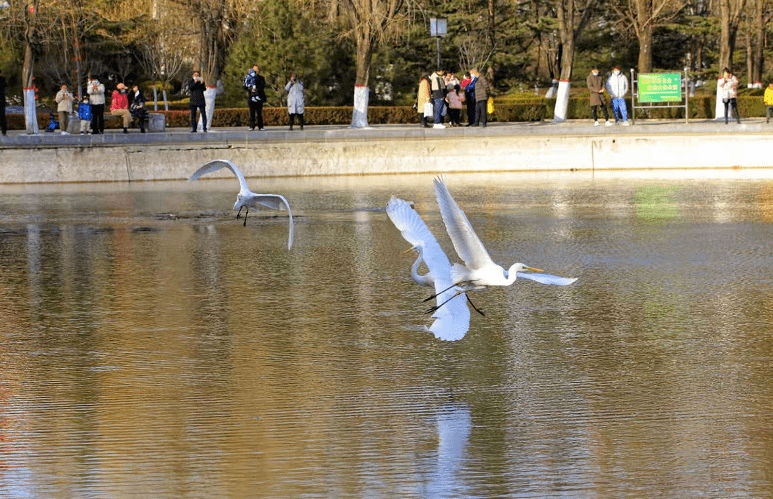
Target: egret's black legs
[
  {"x": 440, "y": 293},
  {"x": 245, "y": 216},
  {"x": 433, "y": 309},
  {"x": 473, "y": 305},
  {"x": 238, "y": 215}
]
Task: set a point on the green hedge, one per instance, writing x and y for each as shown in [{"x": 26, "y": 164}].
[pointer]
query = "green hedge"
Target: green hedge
[{"x": 505, "y": 110}]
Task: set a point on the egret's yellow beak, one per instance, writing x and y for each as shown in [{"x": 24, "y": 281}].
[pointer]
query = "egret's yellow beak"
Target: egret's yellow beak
[
  {"x": 408, "y": 250},
  {"x": 532, "y": 269}
]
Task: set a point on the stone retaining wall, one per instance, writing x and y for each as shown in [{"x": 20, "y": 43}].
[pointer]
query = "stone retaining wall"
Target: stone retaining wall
[{"x": 167, "y": 158}]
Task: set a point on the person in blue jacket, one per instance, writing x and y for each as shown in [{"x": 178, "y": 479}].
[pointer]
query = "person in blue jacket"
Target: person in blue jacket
[{"x": 84, "y": 113}]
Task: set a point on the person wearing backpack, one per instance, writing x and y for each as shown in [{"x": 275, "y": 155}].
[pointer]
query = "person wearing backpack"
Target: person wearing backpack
[{"x": 255, "y": 85}]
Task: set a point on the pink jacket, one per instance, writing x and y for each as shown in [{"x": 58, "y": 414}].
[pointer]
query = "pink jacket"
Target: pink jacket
[{"x": 454, "y": 99}]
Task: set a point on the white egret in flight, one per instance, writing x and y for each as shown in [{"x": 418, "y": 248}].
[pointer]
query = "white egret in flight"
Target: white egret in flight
[
  {"x": 479, "y": 270},
  {"x": 246, "y": 198},
  {"x": 453, "y": 320}
]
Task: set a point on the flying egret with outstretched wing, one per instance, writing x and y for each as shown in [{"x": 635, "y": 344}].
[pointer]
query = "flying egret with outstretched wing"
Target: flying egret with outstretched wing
[
  {"x": 479, "y": 270},
  {"x": 453, "y": 320},
  {"x": 246, "y": 198}
]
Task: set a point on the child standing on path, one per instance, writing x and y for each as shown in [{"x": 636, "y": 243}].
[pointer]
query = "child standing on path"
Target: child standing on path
[{"x": 84, "y": 113}]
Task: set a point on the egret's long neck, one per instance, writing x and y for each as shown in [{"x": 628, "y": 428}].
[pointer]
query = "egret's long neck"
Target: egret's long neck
[
  {"x": 511, "y": 274},
  {"x": 422, "y": 280}
]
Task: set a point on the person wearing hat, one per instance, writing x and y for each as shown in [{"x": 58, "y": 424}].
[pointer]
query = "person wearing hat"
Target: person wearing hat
[
  {"x": 596, "y": 87},
  {"x": 617, "y": 86},
  {"x": 119, "y": 106},
  {"x": 3, "y": 123}
]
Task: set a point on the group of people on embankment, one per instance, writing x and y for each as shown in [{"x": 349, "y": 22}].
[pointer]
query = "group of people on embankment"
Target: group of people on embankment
[{"x": 442, "y": 95}]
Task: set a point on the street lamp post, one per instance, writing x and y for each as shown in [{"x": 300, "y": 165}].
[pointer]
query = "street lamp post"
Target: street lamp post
[{"x": 438, "y": 28}]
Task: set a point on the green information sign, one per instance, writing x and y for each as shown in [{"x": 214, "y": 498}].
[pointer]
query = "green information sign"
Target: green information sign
[{"x": 660, "y": 87}]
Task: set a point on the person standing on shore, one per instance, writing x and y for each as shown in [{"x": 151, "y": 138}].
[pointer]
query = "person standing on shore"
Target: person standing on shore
[
  {"x": 119, "y": 106},
  {"x": 455, "y": 98},
  {"x": 617, "y": 86},
  {"x": 197, "y": 102},
  {"x": 84, "y": 113},
  {"x": 438, "y": 88},
  {"x": 768, "y": 99},
  {"x": 255, "y": 85},
  {"x": 728, "y": 91},
  {"x": 468, "y": 84},
  {"x": 295, "y": 100},
  {"x": 424, "y": 99},
  {"x": 64, "y": 107},
  {"x": 3, "y": 122},
  {"x": 481, "y": 98},
  {"x": 96, "y": 92},
  {"x": 596, "y": 87}
]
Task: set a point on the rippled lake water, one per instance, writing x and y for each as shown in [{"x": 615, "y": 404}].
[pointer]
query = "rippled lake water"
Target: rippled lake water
[{"x": 152, "y": 346}]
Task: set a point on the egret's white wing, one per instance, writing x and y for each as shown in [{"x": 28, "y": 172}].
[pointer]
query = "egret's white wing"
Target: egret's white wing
[
  {"x": 219, "y": 164},
  {"x": 466, "y": 242},
  {"x": 273, "y": 201},
  {"x": 546, "y": 278},
  {"x": 276, "y": 202},
  {"x": 452, "y": 320}
]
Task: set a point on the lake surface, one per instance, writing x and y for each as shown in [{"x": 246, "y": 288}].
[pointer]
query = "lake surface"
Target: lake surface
[{"x": 152, "y": 346}]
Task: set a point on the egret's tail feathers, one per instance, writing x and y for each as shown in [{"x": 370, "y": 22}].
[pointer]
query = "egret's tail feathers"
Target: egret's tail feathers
[{"x": 459, "y": 273}]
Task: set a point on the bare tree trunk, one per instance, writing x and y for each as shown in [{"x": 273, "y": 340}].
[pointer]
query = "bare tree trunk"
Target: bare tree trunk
[
  {"x": 729, "y": 19},
  {"x": 363, "y": 58},
  {"x": 644, "y": 13},
  {"x": 758, "y": 35},
  {"x": 566, "y": 31},
  {"x": 30, "y": 106}
]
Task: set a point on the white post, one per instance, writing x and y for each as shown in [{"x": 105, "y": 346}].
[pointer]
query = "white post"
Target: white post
[
  {"x": 30, "y": 111},
  {"x": 155, "y": 98},
  {"x": 562, "y": 101},
  {"x": 360, "y": 113},
  {"x": 209, "y": 106},
  {"x": 719, "y": 108}
]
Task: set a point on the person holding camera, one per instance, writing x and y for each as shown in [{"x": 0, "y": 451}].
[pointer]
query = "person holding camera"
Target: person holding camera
[
  {"x": 96, "y": 92},
  {"x": 255, "y": 85},
  {"x": 295, "y": 100},
  {"x": 197, "y": 88},
  {"x": 64, "y": 107}
]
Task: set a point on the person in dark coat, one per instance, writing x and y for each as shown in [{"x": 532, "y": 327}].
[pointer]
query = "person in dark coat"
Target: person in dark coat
[
  {"x": 197, "y": 88},
  {"x": 482, "y": 90},
  {"x": 137, "y": 107},
  {"x": 595, "y": 85},
  {"x": 255, "y": 85},
  {"x": 468, "y": 84},
  {"x": 3, "y": 123}
]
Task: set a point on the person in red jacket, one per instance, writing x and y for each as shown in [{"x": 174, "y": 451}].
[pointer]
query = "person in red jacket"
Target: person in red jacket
[{"x": 119, "y": 106}]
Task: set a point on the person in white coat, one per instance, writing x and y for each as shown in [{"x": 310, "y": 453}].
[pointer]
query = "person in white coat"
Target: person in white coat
[
  {"x": 617, "y": 86},
  {"x": 295, "y": 101}
]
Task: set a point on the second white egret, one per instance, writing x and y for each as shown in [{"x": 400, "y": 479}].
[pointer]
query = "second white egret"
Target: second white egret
[{"x": 246, "y": 198}]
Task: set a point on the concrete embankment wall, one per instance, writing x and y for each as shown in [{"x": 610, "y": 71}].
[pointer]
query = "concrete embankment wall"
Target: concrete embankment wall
[{"x": 175, "y": 156}]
